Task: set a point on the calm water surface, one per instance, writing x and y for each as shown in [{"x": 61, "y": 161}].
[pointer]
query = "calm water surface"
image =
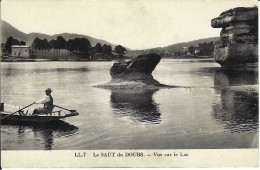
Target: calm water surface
[{"x": 209, "y": 114}]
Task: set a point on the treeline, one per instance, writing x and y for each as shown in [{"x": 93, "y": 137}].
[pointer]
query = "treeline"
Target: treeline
[
  {"x": 78, "y": 45},
  {"x": 204, "y": 49},
  {"x": 6, "y": 47}
]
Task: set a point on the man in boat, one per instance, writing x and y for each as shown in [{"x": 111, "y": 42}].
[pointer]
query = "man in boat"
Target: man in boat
[{"x": 47, "y": 104}]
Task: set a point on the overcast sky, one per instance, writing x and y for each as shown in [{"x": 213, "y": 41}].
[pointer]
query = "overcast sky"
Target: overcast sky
[{"x": 136, "y": 24}]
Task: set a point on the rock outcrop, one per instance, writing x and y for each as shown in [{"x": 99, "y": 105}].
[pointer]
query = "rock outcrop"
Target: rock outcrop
[
  {"x": 135, "y": 74},
  {"x": 238, "y": 43},
  {"x": 138, "y": 68}
]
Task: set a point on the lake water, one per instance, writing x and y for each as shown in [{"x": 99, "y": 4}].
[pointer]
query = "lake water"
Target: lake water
[{"x": 209, "y": 114}]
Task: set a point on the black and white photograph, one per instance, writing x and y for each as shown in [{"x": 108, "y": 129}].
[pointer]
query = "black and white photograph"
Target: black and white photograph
[{"x": 129, "y": 75}]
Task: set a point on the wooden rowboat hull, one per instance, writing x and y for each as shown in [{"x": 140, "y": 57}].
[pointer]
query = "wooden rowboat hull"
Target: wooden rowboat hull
[
  {"x": 34, "y": 118},
  {"x": 31, "y": 118}
]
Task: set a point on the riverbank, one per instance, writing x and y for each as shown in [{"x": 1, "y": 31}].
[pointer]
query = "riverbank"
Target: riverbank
[
  {"x": 48, "y": 56},
  {"x": 50, "y": 60},
  {"x": 78, "y": 59}
]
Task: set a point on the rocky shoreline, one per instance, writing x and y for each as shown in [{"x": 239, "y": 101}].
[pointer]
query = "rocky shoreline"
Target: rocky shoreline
[{"x": 135, "y": 85}]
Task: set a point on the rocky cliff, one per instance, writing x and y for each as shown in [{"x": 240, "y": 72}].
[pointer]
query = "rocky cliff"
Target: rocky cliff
[{"x": 238, "y": 43}]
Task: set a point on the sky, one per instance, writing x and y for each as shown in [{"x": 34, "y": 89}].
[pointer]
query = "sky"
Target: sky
[{"x": 136, "y": 24}]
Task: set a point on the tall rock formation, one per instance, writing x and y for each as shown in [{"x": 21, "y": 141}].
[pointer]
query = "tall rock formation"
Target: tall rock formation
[{"x": 238, "y": 43}]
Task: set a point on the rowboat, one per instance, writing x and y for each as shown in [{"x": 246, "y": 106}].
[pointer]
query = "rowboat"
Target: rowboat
[
  {"x": 36, "y": 118},
  {"x": 26, "y": 116}
]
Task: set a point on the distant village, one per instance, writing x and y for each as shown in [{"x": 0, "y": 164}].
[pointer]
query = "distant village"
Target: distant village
[
  {"x": 205, "y": 49},
  {"x": 81, "y": 49},
  {"x": 59, "y": 49}
]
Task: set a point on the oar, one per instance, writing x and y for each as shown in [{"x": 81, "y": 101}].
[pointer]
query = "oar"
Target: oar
[
  {"x": 65, "y": 108},
  {"x": 18, "y": 110}
]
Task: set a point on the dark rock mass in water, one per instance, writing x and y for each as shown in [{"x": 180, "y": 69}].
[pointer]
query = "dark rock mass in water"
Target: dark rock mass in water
[
  {"x": 135, "y": 74},
  {"x": 238, "y": 43},
  {"x": 142, "y": 65}
]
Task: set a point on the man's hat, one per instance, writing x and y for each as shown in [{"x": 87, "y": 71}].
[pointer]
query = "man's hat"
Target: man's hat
[{"x": 48, "y": 89}]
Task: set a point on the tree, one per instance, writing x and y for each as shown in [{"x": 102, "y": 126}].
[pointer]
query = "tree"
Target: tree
[
  {"x": 84, "y": 45},
  {"x": 9, "y": 43},
  {"x": 206, "y": 49},
  {"x": 53, "y": 44},
  {"x": 71, "y": 45},
  {"x": 40, "y": 44},
  {"x": 178, "y": 54},
  {"x": 107, "y": 49},
  {"x": 97, "y": 48},
  {"x": 191, "y": 50},
  {"x": 45, "y": 44},
  {"x": 3, "y": 47},
  {"x": 68, "y": 45},
  {"x": 61, "y": 42},
  {"x": 78, "y": 44},
  {"x": 22, "y": 43},
  {"x": 120, "y": 50},
  {"x": 35, "y": 44}
]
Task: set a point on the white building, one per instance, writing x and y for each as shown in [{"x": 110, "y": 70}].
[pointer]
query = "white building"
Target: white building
[
  {"x": 184, "y": 49},
  {"x": 20, "y": 51}
]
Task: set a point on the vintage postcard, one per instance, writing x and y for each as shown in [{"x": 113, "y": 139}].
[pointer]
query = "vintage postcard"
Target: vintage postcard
[{"x": 129, "y": 83}]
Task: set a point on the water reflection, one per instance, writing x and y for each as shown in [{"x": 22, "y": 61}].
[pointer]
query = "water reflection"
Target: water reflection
[
  {"x": 12, "y": 71},
  {"x": 236, "y": 109},
  {"x": 224, "y": 78},
  {"x": 45, "y": 132},
  {"x": 136, "y": 105},
  {"x": 62, "y": 70}
]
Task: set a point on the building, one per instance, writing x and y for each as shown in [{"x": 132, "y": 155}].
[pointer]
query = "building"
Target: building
[
  {"x": 184, "y": 49},
  {"x": 20, "y": 51}
]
